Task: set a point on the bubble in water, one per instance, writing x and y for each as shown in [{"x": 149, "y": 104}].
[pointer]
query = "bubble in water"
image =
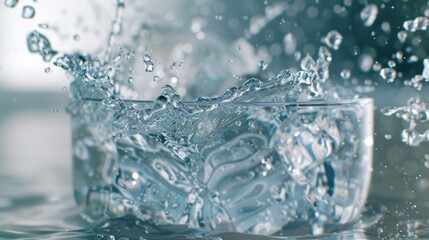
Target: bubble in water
[
  {"x": 130, "y": 79},
  {"x": 391, "y": 63},
  {"x": 388, "y": 74},
  {"x": 28, "y": 12},
  {"x": 155, "y": 78},
  {"x": 333, "y": 39},
  {"x": 369, "y": 14},
  {"x": 148, "y": 64},
  {"x": 345, "y": 74},
  {"x": 47, "y": 70},
  {"x": 10, "y": 3},
  {"x": 263, "y": 65},
  {"x": 56, "y": 111},
  {"x": 402, "y": 36}
]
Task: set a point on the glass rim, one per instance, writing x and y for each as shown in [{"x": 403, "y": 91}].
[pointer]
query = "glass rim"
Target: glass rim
[{"x": 317, "y": 103}]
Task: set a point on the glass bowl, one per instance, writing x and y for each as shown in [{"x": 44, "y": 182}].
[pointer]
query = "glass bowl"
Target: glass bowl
[{"x": 245, "y": 167}]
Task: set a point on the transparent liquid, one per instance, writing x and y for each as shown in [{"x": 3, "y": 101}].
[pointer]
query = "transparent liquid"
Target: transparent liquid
[{"x": 240, "y": 167}]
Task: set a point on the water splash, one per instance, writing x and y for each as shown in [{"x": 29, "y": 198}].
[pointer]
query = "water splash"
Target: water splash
[{"x": 38, "y": 43}]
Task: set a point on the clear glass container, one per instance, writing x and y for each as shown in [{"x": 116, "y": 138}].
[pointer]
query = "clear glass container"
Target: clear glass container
[{"x": 245, "y": 167}]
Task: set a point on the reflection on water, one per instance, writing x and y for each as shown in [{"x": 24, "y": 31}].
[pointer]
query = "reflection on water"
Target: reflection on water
[{"x": 33, "y": 216}]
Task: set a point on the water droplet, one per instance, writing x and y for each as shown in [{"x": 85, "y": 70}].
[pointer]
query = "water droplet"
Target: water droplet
[
  {"x": 47, "y": 70},
  {"x": 289, "y": 43},
  {"x": 219, "y": 17},
  {"x": 155, "y": 78},
  {"x": 99, "y": 236},
  {"x": 369, "y": 14},
  {"x": 173, "y": 66},
  {"x": 345, "y": 74},
  {"x": 238, "y": 123},
  {"x": 388, "y": 74},
  {"x": 10, "y": 3},
  {"x": 366, "y": 62},
  {"x": 130, "y": 79},
  {"x": 333, "y": 39},
  {"x": 402, "y": 36},
  {"x": 308, "y": 63},
  {"x": 118, "y": 57},
  {"x": 64, "y": 88},
  {"x": 409, "y": 137},
  {"x": 43, "y": 26},
  {"x": 28, "y": 12},
  {"x": 391, "y": 63},
  {"x": 263, "y": 65},
  {"x": 388, "y": 136},
  {"x": 37, "y": 43},
  {"x": 56, "y": 111},
  {"x": 148, "y": 64},
  {"x": 419, "y": 23},
  {"x": 425, "y": 72}
]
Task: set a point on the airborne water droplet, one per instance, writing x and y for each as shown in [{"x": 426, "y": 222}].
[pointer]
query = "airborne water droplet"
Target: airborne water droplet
[
  {"x": 333, "y": 39},
  {"x": 391, "y": 63},
  {"x": 388, "y": 136},
  {"x": 345, "y": 74},
  {"x": 369, "y": 14},
  {"x": 130, "y": 79},
  {"x": 263, "y": 65},
  {"x": 43, "y": 26},
  {"x": 419, "y": 23},
  {"x": 148, "y": 64},
  {"x": 28, "y": 12},
  {"x": 10, "y": 3},
  {"x": 425, "y": 72},
  {"x": 402, "y": 36},
  {"x": 47, "y": 70},
  {"x": 155, "y": 78},
  {"x": 388, "y": 74}
]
